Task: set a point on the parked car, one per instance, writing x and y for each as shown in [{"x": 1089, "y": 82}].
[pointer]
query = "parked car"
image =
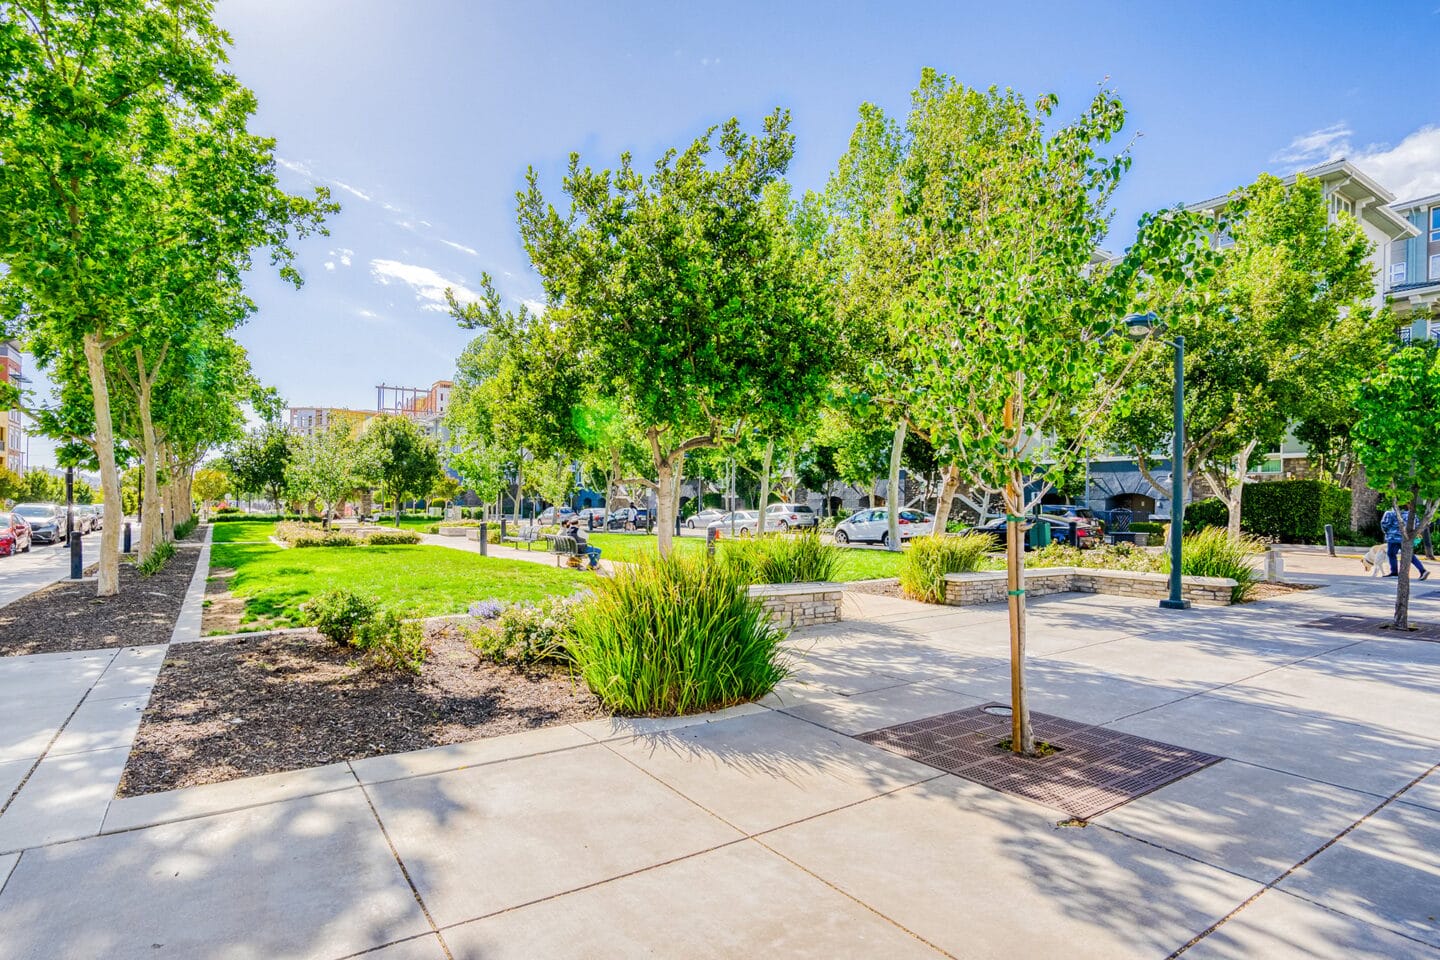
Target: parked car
[
  {"x": 99, "y": 512},
  {"x": 704, "y": 518},
  {"x": 873, "y": 526},
  {"x": 627, "y": 518},
  {"x": 596, "y": 514},
  {"x": 91, "y": 514},
  {"x": 14, "y": 535},
  {"x": 82, "y": 517},
  {"x": 554, "y": 515},
  {"x": 739, "y": 523},
  {"x": 47, "y": 521},
  {"x": 1070, "y": 511},
  {"x": 1089, "y": 533},
  {"x": 783, "y": 516}
]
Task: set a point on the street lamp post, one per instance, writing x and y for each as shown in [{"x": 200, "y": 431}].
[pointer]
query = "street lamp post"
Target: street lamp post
[{"x": 1139, "y": 326}]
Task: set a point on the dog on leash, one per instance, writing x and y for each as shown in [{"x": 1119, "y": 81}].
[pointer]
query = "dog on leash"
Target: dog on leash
[{"x": 1375, "y": 560}]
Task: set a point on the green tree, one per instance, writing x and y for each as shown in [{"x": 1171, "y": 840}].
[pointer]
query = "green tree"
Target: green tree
[
  {"x": 327, "y": 466},
  {"x": 210, "y": 485},
  {"x": 400, "y": 459},
  {"x": 1006, "y": 336},
  {"x": 257, "y": 461},
  {"x": 685, "y": 292},
  {"x": 126, "y": 154},
  {"x": 1397, "y": 438},
  {"x": 481, "y": 466},
  {"x": 552, "y": 479},
  {"x": 1276, "y": 334},
  {"x": 445, "y": 488},
  {"x": 11, "y": 483}
]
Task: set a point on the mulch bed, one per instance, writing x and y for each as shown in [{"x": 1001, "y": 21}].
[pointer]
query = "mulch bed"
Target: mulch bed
[
  {"x": 1265, "y": 590},
  {"x": 885, "y": 587},
  {"x": 67, "y": 616},
  {"x": 230, "y": 708}
]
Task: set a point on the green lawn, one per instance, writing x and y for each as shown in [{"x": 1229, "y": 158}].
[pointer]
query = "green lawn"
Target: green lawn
[
  {"x": 418, "y": 581},
  {"x": 230, "y": 531},
  {"x": 856, "y": 563}
]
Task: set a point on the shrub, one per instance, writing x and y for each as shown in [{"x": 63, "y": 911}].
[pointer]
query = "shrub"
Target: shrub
[
  {"x": 1118, "y": 556},
  {"x": 1210, "y": 512},
  {"x": 393, "y": 644},
  {"x": 154, "y": 563},
  {"x": 184, "y": 528},
  {"x": 221, "y": 511},
  {"x": 1294, "y": 511},
  {"x": 929, "y": 558},
  {"x": 529, "y": 632},
  {"x": 339, "y": 615},
  {"x": 777, "y": 558},
  {"x": 391, "y": 538},
  {"x": 674, "y": 636},
  {"x": 318, "y": 539},
  {"x": 1149, "y": 526},
  {"x": 487, "y": 609},
  {"x": 1214, "y": 553}
]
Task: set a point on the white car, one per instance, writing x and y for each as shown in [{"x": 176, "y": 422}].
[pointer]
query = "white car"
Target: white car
[
  {"x": 741, "y": 523},
  {"x": 598, "y": 513},
  {"x": 704, "y": 518},
  {"x": 554, "y": 515},
  {"x": 873, "y": 526}
]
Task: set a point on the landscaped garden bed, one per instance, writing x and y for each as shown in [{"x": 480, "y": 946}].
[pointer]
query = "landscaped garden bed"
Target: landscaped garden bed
[
  {"x": 261, "y": 586},
  {"x": 230, "y": 708},
  {"x": 68, "y": 616}
]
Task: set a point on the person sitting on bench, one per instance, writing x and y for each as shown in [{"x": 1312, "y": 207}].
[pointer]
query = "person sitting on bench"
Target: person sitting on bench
[{"x": 573, "y": 529}]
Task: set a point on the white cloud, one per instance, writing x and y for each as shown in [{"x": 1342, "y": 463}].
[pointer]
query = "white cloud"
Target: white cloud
[
  {"x": 1317, "y": 146},
  {"x": 294, "y": 166},
  {"x": 343, "y": 255},
  {"x": 536, "y": 307},
  {"x": 329, "y": 264},
  {"x": 429, "y": 286},
  {"x": 460, "y": 246},
  {"x": 1409, "y": 169},
  {"x": 355, "y": 191}
]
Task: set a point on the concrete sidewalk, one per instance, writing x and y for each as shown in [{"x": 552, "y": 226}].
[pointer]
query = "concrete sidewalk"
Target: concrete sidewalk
[{"x": 768, "y": 829}]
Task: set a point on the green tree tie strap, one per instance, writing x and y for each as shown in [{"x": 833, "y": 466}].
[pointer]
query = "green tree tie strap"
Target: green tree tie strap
[{"x": 1016, "y": 593}]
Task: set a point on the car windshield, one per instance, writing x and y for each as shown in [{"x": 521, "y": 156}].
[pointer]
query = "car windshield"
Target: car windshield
[{"x": 35, "y": 510}]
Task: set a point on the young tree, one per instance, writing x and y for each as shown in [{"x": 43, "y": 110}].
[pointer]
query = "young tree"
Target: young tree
[
  {"x": 400, "y": 458},
  {"x": 210, "y": 485},
  {"x": 445, "y": 488},
  {"x": 327, "y": 466},
  {"x": 685, "y": 293},
  {"x": 1397, "y": 438},
  {"x": 257, "y": 462},
  {"x": 1004, "y": 335},
  {"x": 552, "y": 479}
]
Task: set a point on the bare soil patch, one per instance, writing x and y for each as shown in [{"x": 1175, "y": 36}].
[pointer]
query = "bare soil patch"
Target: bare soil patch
[
  {"x": 224, "y": 709},
  {"x": 223, "y": 612},
  {"x": 67, "y": 616},
  {"x": 1268, "y": 591}
]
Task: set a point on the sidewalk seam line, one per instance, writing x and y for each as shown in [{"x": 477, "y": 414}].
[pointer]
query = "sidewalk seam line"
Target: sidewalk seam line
[{"x": 404, "y": 870}]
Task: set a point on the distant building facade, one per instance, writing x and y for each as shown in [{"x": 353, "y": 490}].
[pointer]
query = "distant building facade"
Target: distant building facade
[{"x": 12, "y": 430}]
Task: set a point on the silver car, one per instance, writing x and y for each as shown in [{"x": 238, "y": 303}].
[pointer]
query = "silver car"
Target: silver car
[
  {"x": 741, "y": 523},
  {"x": 783, "y": 516},
  {"x": 704, "y": 518},
  {"x": 873, "y": 526}
]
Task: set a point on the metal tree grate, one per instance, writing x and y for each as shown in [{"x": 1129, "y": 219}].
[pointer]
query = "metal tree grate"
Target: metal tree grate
[{"x": 1096, "y": 769}]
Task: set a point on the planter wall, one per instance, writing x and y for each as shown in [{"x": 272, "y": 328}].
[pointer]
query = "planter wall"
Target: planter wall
[
  {"x": 967, "y": 589},
  {"x": 800, "y": 604}
]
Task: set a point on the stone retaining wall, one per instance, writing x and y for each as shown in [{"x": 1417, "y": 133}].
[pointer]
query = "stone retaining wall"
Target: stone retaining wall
[
  {"x": 800, "y": 604},
  {"x": 967, "y": 589}
]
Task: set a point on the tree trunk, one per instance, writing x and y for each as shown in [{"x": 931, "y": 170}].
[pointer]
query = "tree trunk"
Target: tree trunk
[
  {"x": 1407, "y": 550},
  {"x": 1022, "y": 737},
  {"x": 893, "y": 500},
  {"x": 765, "y": 482},
  {"x": 664, "y": 504},
  {"x": 1237, "y": 492},
  {"x": 948, "y": 485},
  {"x": 108, "y": 581},
  {"x": 151, "y": 529}
]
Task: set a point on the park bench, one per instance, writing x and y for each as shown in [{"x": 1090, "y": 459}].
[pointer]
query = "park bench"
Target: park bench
[
  {"x": 527, "y": 535},
  {"x": 567, "y": 550}
]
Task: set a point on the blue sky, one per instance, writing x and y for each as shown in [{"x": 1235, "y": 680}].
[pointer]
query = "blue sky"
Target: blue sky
[{"x": 423, "y": 116}]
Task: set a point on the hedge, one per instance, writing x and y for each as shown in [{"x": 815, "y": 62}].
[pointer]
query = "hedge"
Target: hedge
[
  {"x": 1210, "y": 512},
  {"x": 1294, "y": 511}
]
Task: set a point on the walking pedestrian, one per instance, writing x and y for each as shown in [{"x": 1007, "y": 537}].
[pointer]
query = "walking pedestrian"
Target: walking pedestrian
[{"x": 1395, "y": 525}]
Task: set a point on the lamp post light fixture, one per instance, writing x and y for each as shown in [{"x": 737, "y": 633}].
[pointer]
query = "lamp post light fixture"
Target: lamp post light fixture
[{"x": 1138, "y": 326}]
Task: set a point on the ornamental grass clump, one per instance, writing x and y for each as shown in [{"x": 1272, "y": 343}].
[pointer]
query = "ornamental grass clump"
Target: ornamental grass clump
[
  {"x": 782, "y": 558},
  {"x": 929, "y": 558},
  {"x": 1214, "y": 553},
  {"x": 675, "y": 636}
]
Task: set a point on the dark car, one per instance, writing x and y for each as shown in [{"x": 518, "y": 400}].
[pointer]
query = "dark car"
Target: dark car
[
  {"x": 14, "y": 534},
  {"x": 1089, "y": 533},
  {"x": 627, "y": 518},
  {"x": 47, "y": 521}
]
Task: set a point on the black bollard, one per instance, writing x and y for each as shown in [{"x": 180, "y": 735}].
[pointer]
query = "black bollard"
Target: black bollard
[
  {"x": 1074, "y": 534},
  {"x": 127, "y": 537},
  {"x": 677, "y": 525},
  {"x": 77, "y": 563},
  {"x": 710, "y": 535},
  {"x": 1330, "y": 539},
  {"x": 485, "y": 538},
  {"x": 502, "y": 528}
]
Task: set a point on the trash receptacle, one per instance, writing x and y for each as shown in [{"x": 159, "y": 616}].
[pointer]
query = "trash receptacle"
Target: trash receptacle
[{"x": 1039, "y": 534}]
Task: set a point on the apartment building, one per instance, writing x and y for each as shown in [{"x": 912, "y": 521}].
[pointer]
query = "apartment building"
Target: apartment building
[
  {"x": 1412, "y": 282},
  {"x": 12, "y": 432},
  {"x": 427, "y": 407},
  {"x": 305, "y": 421}
]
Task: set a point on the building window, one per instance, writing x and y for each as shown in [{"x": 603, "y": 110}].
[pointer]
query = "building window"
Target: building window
[
  {"x": 1339, "y": 203},
  {"x": 1435, "y": 224},
  {"x": 1397, "y": 273},
  {"x": 1404, "y": 334},
  {"x": 1435, "y": 266}
]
